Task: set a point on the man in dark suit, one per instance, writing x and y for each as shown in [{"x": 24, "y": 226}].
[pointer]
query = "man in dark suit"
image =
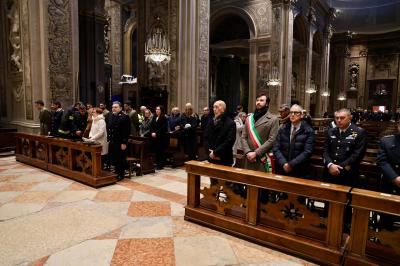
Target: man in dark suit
[
  {"x": 294, "y": 145},
  {"x": 389, "y": 162},
  {"x": 45, "y": 118},
  {"x": 118, "y": 131},
  {"x": 344, "y": 149},
  {"x": 220, "y": 136},
  {"x": 159, "y": 129}
]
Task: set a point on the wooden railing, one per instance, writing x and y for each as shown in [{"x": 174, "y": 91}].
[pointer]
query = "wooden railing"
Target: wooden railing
[
  {"x": 300, "y": 216},
  {"x": 375, "y": 229},
  {"x": 75, "y": 160}
]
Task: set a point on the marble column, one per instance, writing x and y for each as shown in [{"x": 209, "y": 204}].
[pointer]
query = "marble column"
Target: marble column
[
  {"x": 311, "y": 31},
  {"x": 193, "y": 53},
  {"x": 282, "y": 48}
]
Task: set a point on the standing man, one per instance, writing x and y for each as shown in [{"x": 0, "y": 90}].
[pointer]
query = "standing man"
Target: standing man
[
  {"x": 44, "y": 118},
  {"x": 389, "y": 161},
  {"x": 205, "y": 118},
  {"x": 284, "y": 117},
  {"x": 220, "y": 136},
  {"x": 134, "y": 118},
  {"x": 294, "y": 145},
  {"x": 259, "y": 135},
  {"x": 106, "y": 113},
  {"x": 118, "y": 134},
  {"x": 56, "y": 118},
  {"x": 344, "y": 149}
]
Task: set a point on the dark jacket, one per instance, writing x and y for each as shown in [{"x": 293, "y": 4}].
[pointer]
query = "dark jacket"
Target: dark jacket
[
  {"x": 347, "y": 151},
  {"x": 174, "y": 121},
  {"x": 66, "y": 128},
  {"x": 118, "y": 128},
  {"x": 159, "y": 126},
  {"x": 298, "y": 155},
  {"x": 388, "y": 160},
  {"x": 220, "y": 137},
  {"x": 189, "y": 133},
  {"x": 45, "y": 118},
  {"x": 56, "y": 121},
  {"x": 80, "y": 122},
  {"x": 204, "y": 121}
]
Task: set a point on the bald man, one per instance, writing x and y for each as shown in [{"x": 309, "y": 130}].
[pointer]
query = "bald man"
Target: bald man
[{"x": 220, "y": 136}]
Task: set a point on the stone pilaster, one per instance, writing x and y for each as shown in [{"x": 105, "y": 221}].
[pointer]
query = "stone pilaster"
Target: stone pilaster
[
  {"x": 322, "y": 101},
  {"x": 282, "y": 49}
]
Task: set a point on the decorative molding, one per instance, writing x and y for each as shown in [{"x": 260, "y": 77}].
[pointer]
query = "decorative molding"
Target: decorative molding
[
  {"x": 14, "y": 36},
  {"x": 363, "y": 52},
  {"x": 204, "y": 22},
  {"x": 27, "y": 60},
  {"x": 107, "y": 39},
  {"x": 60, "y": 50}
]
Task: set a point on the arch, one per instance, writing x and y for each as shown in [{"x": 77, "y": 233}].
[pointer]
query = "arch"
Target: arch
[
  {"x": 317, "y": 43},
  {"x": 222, "y": 13},
  {"x": 130, "y": 27},
  {"x": 300, "y": 30}
]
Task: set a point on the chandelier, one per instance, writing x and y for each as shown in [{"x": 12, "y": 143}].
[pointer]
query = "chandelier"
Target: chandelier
[
  {"x": 312, "y": 88},
  {"x": 325, "y": 94},
  {"x": 274, "y": 77},
  {"x": 342, "y": 97},
  {"x": 157, "y": 49}
]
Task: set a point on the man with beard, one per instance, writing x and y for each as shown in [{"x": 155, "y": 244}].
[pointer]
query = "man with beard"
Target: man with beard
[
  {"x": 119, "y": 128},
  {"x": 259, "y": 135}
]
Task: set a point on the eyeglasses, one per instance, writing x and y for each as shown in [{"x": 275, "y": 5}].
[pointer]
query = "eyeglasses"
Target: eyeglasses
[{"x": 294, "y": 113}]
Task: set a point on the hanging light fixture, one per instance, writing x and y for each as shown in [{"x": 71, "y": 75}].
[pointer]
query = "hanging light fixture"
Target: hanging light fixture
[
  {"x": 312, "y": 89},
  {"x": 325, "y": 93},
  {"x": 342, "y": 97},
  {"x": 274, "y": 78},
  {"x": 157, "y": 49}
]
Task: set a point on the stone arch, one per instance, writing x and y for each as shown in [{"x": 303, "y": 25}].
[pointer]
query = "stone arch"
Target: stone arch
[
  {"x": 130, "y": 27},
  {"x": 222, "y": 13}
]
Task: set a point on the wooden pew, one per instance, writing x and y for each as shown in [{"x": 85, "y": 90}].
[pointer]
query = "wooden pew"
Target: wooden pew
[
  {"x": 370, "y": 244},
  {"x": 75, "y": 160},
  {"x": 7, "y": 139},
  {"x": 202, "y": 152},
  {"x": 175, "y": 150},
  {"x": 145, "y": 157},
  {"x": 298, "y": 216}
]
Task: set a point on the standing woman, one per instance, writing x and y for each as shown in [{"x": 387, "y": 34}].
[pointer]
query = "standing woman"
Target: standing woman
[
  {"x": 98, "y": 131},
  {"x": 189, "y": 125},
  {"x": 158, "y": 129}
]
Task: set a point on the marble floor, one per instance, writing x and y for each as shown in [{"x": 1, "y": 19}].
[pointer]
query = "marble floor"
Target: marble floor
[{"x": 46, "y": 219}]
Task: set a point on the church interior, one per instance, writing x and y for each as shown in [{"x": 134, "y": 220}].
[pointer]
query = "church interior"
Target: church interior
[{"x": 115, "y": 116}]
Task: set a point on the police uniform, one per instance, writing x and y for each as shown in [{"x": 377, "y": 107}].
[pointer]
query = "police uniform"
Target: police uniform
[
  {"x": 388, "y": 161},
  {"x": 118, "y": 132},
  {"x": 345, "y": 149}
]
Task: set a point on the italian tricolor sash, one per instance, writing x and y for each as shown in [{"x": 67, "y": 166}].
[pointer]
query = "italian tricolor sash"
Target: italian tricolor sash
[{"x": 267, "y": 158}]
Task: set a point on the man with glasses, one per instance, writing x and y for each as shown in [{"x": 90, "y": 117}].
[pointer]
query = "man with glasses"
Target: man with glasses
[
  {"x": 344, "y": 149},
  {"x": 294, "y": 145}
]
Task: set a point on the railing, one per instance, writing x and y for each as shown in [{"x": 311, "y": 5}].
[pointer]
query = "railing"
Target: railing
[
  {"x": 75, "y": 160},
  {"x": 375, "y": 229},
  {"x": 300, "y": 216}
]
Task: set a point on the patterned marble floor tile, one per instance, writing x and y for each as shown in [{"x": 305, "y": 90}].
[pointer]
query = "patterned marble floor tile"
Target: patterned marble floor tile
[
  {"x": 52, "y": 230},
  {"x": 88, "y": 253},
  {"x": 8, "y": 178},
  {"x": 74, "y": 195},
  {"x": 113, "y": 195},
  {"x": 9, "y": 195},
  {"x": 13, "y": 210},
  {"x": 175, "y": 187},
  {"x": 148, "y": 227},
  {"x": 35, "y": 197},
  {"x": 140, "y": 196},
  {"x": 177, "y": 209},
  {"x": 182, "y": 228},
  {"x": 152, "y": 180},
  {"x": 51, "y": 186},
  {"x": 79, "y": 186},
  {"x": 203, "y": 250},
  {"x": 115, "y": 207},
  {"x": 143, "y": 252},
  {"x": 29, "y": 178},
  {"x": 149, "y": 208},
  {"x": 16, "y": 186},
  {"x": 114, "y": 234}
]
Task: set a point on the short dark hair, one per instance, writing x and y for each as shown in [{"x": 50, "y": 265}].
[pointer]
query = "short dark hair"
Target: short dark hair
[
  {"x": 117, "y": 102},
  {"x": 128, "y": 103},
  {"x": 260, "y": 94},
  {"x": 57, "y": 103},
  {"x": 40, "y": 102}
]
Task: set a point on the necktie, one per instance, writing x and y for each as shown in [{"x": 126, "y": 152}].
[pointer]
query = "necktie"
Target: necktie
[{"x": 292, "y": 136}]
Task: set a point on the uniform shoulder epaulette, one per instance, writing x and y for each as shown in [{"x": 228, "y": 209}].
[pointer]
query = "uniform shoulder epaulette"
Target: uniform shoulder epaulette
[{"x": 387, "y": 136}]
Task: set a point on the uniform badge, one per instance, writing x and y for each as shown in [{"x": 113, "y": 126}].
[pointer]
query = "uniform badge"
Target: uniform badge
[{"x": 347, "y": 167}]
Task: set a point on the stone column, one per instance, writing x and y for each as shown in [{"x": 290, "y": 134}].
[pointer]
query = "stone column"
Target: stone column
[
  {"x": 311, "y": 32},
  {"x": 282, "y": 48},
  {"x": 322, "y": 103},
  {"x": 193, "y": 53}
]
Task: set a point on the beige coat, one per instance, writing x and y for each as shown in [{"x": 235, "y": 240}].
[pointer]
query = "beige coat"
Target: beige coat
[
  {"x": 239, "y": 129},
  {"x": 267, "y": 127},
  {"x": 98, "y": 132}
]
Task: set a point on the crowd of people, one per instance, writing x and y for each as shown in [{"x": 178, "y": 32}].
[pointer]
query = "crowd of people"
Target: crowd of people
[{"x": 283, "y": 144}]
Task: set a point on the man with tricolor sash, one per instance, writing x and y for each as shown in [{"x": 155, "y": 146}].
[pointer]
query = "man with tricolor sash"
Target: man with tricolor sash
[{"x": 258, "y": 136}]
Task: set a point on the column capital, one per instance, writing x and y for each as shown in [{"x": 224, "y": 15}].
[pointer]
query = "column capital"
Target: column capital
[
  {"x": 328, "y": 32},
  {"x": 285, "y": 2}
]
